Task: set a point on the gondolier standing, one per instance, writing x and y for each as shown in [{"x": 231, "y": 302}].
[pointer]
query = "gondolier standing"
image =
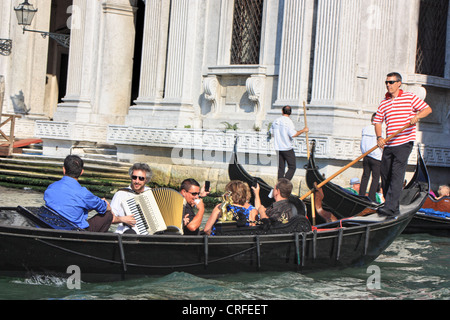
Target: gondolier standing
[
  {"x": 396, "y": 110},
  {"x": 283, "y": 131}
]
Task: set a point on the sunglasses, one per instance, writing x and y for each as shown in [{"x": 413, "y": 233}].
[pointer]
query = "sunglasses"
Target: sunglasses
[
  {"x": 136, "y": 177},
  {"x": 391, "y": 82},
  {"x": 194, "y": 193}
]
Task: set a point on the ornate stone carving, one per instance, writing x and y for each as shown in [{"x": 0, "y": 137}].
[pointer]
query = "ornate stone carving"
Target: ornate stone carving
[
  {"x": 254, "y": 86},
  {"x": 211, "y": 85}
]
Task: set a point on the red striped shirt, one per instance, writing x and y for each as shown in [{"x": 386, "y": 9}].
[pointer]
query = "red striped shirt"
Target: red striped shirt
[{"x": 398, "y": 112}]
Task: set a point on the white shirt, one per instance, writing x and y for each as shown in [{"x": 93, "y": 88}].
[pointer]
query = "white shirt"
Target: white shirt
[
  {"x": 368, "y": 141},
  {"x": 282, "y": 131},
  {"x": 116, "y": 206}
]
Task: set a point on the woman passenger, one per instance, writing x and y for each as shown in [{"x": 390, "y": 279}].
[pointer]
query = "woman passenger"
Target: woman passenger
[{"x": 239, "y": 193}]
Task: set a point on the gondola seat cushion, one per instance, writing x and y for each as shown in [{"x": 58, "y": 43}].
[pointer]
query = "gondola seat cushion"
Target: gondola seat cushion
[{"x": 298, "y": 223}]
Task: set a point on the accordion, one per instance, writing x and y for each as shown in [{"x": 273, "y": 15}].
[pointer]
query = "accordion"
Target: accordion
[{"x": 156, "y": 211}]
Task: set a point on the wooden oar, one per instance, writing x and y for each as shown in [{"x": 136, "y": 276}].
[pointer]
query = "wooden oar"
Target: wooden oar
[
  {"x": 354, "y": 161},
  {"x": 313, "y": 209}
]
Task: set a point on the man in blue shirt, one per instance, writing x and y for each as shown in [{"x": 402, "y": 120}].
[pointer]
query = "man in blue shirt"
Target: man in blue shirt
[{"x": 72, "y": 201}]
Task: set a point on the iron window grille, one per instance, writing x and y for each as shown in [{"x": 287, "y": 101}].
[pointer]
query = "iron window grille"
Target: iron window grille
[
  {"x": 432, "y": 37},
  {"x": 246, "y": 38}
]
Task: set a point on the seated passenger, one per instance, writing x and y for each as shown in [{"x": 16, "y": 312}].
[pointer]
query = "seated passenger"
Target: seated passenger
[
  {"x": 190, "y": 190},
  {"x": 234, "y": 207},
  {"x": 355, "y": 184},
  {"x": 140, "y": 175},
  {"x": 444, "y": 191},
  {"x": 281, "y": 209},
  {"x": 72, "y": 201},
  {"x": 318, "y": 197}
]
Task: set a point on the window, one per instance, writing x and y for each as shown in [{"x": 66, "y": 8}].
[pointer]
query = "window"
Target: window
[
  {"x": 246, "y": 38},
  {"x": 431, "y": 44}
]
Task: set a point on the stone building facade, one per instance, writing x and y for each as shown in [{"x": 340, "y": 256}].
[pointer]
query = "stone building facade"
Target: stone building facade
[{"x": 174, "y": 82}]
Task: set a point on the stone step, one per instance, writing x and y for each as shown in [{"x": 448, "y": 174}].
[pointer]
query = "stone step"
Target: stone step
[{"x": 102, "y": 177}]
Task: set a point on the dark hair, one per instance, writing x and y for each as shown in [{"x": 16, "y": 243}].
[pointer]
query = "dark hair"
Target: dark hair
[
  {"x": 287, "y": 110},
  {"x": 74, "y": 166},
  {"x": 188, "y": 183},
  {"x": 373, "y": 116},
  {"x": 285, "y": 187},
  {"x": 395, "y": 74},
  {"x": 143, "y": 167}
]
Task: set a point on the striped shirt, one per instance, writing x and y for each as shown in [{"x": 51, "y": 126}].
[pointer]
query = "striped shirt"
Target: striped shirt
[{"x": 397, "y": 113}]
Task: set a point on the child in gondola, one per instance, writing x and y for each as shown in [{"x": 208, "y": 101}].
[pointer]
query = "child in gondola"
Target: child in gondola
[{"x": 235, "y": 207}]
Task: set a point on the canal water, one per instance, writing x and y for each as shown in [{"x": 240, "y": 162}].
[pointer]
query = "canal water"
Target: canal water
[{"x": 413, "y": 267}]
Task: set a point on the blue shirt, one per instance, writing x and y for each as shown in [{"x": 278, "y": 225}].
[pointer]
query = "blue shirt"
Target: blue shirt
[{"x": 71, "y": 200}]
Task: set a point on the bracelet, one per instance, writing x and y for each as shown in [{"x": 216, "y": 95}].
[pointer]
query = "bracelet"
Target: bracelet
[{"x": 379, "y": 137}]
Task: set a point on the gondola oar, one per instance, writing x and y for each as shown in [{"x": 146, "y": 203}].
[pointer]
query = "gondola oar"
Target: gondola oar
[
  {"x": 313, "y": 209},
  {"x": 354, "y": 161}
]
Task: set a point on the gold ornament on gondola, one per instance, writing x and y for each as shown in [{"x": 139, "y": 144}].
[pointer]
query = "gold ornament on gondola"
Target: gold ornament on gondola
[{"x": 226, "y": 215}]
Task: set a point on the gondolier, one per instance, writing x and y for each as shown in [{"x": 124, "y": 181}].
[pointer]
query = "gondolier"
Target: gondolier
[
  {"x": 283, "y": 131},
  {"x": 397, "y": 110}
]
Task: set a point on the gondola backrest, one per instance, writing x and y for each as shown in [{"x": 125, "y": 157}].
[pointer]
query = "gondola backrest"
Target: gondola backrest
[{"x": 44, "y": 217}]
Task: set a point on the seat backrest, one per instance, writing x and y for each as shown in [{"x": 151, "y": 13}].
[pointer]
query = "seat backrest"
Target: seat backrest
[
  {"x": 298, "y": 204},
  {"x": 45, "y": 217}
]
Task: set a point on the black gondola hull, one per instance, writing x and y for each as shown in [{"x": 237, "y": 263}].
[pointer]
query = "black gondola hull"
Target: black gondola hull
[
  {"x": 343, "y": 204},
  {"x": 425, "y": 223},
  {"x": 110, "y": 257}
]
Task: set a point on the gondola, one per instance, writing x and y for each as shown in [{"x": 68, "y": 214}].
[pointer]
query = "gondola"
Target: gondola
[
  {"x": 344, "y": 204},
  {"x": 237, "y": 172},
  {"x": 27, "y": 249},
  {"x": 340, "y": 201},
  {"x": 433, "y": 218}
]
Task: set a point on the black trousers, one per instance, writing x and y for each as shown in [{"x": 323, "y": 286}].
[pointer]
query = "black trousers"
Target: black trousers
[
  {"x": 393, "y": 168},
  {"x": 370, "y": 166},
  {"x": 289, "y": 158}
]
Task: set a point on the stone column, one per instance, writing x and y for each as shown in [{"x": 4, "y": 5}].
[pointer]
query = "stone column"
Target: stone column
[
  {"x": 2, "y": 93},
  {"x": 295, "y": 53},
  {"x": 168, "y": 60},
  {"x": 5, "y": 33},
  {"x": 77, "y": 104},
  {"x": 116, "y": 62},
  {"x": 180, "y": 53},
  {"x": 25, "y": 69},
  {"x": 154, "y": 50},
  {"x": 335, "y": 52},
  {"x": 100, "y": 63}
]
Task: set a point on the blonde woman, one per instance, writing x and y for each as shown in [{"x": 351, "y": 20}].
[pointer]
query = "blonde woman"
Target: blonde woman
[{"x": 236, "y": 205}]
